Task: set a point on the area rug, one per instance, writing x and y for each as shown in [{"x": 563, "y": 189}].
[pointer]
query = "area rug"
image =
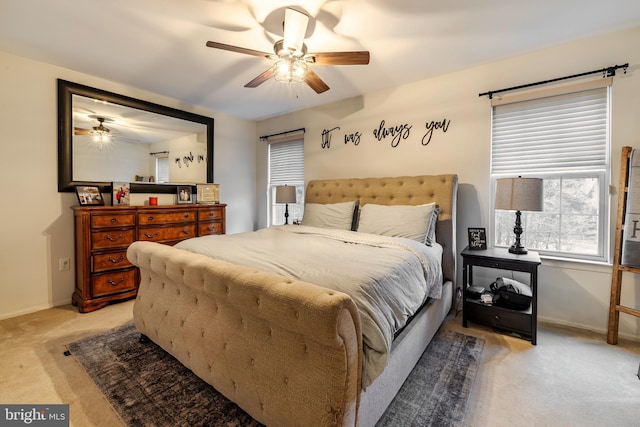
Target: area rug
[
  {"x": 436, "y": 392},
  {"x": 148, "y": 387}
]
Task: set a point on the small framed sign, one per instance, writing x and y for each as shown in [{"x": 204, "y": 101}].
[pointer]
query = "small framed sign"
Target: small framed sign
[
  {"x": 208, "y": 193},
  {"x": 89, "y": 195},
  {"x": 477, "y": 238},
  {"x": 184, "y": 194}
]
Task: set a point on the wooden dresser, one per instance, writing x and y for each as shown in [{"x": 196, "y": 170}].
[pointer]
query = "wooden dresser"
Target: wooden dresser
[{"x": 103, "y": 234}]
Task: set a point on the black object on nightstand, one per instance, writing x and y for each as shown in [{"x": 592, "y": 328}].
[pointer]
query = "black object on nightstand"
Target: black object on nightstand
[{"x": 522, "y": 322}]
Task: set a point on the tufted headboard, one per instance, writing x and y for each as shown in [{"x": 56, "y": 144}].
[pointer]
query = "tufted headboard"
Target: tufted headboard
[{"x": 402, "y": 190}]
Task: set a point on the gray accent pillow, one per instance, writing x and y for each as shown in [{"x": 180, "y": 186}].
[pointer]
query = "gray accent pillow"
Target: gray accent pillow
[
  {"x": 431, "y": 233},
  {"x": 332, "y": 215}
]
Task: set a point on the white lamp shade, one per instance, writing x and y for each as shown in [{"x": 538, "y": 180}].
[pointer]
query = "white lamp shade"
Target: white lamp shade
[
  {"x": 519, "y": 194},
  {"x": 285, "y": 194}
]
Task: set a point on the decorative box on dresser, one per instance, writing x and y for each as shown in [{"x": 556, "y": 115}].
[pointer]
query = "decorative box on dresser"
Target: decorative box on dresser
[{"x": 103, "y": 234}]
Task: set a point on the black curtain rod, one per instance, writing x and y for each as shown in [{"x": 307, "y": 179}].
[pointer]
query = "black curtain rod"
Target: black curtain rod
[
  {"x": 607, "y": 72},
  {"x": 158, "y": 152},
  {"x": 282, "y": 133}
]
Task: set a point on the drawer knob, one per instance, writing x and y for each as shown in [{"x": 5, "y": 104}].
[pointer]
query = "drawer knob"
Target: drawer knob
[
  {"x": 114, "y": 220},
  {"x": 150, "y": 218},
  {"x": 113, "y": 283},
  {"x": 496, "y": 317},
  {"x": 185, "y": 231},
  {"x": 148, "y": 236},
  {"x": 116, "y": 260},
  {"x": 114, "y": 239},
  {"x": 186, "y": 216}
]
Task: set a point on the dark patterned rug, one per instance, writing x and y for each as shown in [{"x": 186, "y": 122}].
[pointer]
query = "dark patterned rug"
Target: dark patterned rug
[{"x": 148, "y": 387}]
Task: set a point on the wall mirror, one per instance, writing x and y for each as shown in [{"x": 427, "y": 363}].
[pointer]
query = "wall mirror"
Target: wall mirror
[{"x": 105, "y": 137}]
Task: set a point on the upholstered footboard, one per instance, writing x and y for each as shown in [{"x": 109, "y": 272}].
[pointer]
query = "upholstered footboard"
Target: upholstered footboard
[{"x": 288, "y": 352}]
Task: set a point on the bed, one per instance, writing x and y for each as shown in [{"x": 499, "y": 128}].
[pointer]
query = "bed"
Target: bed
[{"x": 289, "y": 351}]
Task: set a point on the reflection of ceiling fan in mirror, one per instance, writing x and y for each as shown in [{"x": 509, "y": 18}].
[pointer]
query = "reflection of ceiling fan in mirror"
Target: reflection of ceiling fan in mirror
[
  {"x": 291, "y": 58},
  {"x": 100, "y": 133}
]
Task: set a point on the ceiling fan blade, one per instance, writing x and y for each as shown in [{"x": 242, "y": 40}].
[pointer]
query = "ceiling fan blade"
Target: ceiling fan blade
[
  {"x": 81, "y": 131},
  {"x": 261, "y": 78},
  {"x": 295, "y": 28},
  {"x": 340, "y": 58},
  {"x": 315, "y": 82},
  {"x": 237, "y": 49}
]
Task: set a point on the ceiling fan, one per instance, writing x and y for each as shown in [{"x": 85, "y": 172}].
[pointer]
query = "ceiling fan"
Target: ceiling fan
[
  {"x": 291, "y": 58},
  {"x": 99, "y": 132},
  {"x": 102, "y": 134}
]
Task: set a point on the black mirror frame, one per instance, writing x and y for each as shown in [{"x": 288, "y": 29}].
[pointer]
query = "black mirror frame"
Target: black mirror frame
[{"x": 66, "y": 89}]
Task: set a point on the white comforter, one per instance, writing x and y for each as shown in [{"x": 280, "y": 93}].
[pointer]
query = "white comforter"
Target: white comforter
[{"x": 388, "y": 278}]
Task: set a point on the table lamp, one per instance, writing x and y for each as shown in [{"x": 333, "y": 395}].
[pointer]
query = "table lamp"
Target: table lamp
[
  {"x": 519, "y": 194},
  {"x": 286, "y": 194}
]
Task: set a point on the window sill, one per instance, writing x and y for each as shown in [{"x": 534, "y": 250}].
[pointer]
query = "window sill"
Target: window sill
[{"x": 575, "y": 264}]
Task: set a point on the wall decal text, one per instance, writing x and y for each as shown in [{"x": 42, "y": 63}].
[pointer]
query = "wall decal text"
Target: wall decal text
[
  {"x": 395, "y": 133},
  {"x": 352, "y": 137},
  {"x": 326, "y": 137},
  {"x": 431, "y": 126}
]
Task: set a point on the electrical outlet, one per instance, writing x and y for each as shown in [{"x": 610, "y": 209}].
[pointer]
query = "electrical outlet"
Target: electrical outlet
[{"x": 64, "y": 264}]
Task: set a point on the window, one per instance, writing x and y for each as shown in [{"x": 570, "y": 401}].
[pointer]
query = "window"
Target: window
[
  {"x": 286, "y": 167},
  {"x": 563, "y": 139},
  {"x": 162, "y": 168}
]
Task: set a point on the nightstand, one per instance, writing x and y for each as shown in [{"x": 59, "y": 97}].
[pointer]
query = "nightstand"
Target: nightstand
[{"x": 522, "y": 322}]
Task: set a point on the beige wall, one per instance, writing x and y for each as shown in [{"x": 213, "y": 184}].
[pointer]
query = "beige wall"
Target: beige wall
[
  {"x": 37, "y": 223},
  {"x": 570, "y": 293}
]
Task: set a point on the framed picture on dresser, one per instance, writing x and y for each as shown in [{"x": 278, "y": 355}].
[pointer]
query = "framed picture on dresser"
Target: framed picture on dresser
[
  {"x": 184, "y": 194},
  {"x": 120, "y": 194},
  {"x": 89, "y": 195}
]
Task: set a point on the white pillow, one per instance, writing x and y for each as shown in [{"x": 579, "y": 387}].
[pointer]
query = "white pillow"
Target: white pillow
[
  {"x": 334, "y": 215},
  {"x": 411, "y": 222}
]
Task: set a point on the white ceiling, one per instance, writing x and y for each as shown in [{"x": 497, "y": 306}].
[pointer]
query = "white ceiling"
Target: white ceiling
[{"x": 159, "y": 45}]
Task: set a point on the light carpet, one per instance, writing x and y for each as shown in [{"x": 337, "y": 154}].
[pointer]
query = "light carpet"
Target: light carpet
[{"x": 148, "y": 387}]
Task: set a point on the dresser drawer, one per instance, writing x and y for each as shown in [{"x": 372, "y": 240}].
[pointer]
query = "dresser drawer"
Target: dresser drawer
[
  {"x": 112, "y": 283},
  {"x": 111, "y": 239},
  {"x": 149, "y": 218},
  {"x": 110, "y": 261},
  {"x": 210, "y": 213},
  {"x": 159, "y": 234},
  {"x": 207, "y": 228},
  {"x": 114, "y": 220}
]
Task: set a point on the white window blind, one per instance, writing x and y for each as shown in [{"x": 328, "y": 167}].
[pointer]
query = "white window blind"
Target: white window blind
[
  {"x": 286, "y": 167},
  {"x": 286, "y": 162},
  {"x": 566, "y": 132},
  {"x": 162, "y": 169}
]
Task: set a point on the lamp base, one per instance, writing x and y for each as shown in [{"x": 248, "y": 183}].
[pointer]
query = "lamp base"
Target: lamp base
[
  {"x": 517, "y": 247},
  {"x": 518, "y": 250}
]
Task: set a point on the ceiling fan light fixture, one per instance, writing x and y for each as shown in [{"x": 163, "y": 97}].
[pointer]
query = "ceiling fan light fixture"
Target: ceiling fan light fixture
[
  {"x": 286, "y": 52},
  {"x": 290, "y": 70}
]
